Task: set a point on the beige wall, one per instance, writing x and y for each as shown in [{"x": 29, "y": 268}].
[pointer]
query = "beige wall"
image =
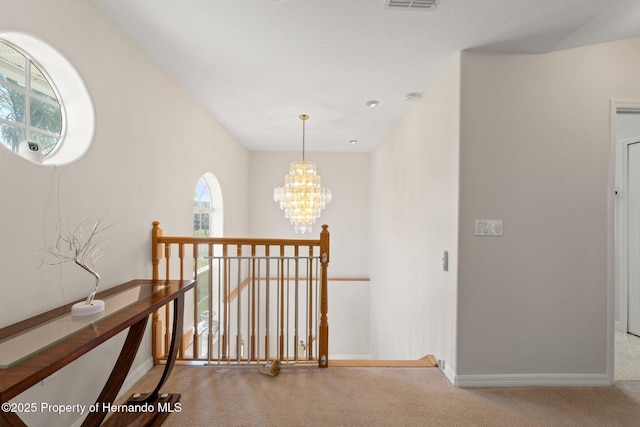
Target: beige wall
[
  {"x": 536, "y": 153},
  {"x": 152, "y": 142},
  {"x": 414, "y": 217}
]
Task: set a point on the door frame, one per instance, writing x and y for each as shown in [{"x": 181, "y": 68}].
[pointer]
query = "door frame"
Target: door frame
[
  {"x": 617, "y": 241},
  {"x": 622, "y": 237},
  {"x": 624, "y": 204}
]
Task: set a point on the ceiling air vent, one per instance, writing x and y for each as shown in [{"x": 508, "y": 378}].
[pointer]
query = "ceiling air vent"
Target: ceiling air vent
[{"x": 410, "y": 4}]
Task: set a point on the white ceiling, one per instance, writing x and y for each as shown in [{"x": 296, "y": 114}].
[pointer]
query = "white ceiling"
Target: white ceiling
[{"x": 256, "y": 65}]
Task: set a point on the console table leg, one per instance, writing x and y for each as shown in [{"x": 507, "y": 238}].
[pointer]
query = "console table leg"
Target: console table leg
[
  {"x": 11, "y": 419},
  {"x": 176, "y": 341},
  {"x": 118, "y": 374},
  {"x": 163, "y": 404}
]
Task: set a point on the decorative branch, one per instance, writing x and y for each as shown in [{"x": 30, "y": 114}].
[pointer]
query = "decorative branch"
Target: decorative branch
[{"x": 83, "y": 250}]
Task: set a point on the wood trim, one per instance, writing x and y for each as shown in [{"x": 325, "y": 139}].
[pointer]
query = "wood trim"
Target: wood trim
[{"x": 242, "y": 241}]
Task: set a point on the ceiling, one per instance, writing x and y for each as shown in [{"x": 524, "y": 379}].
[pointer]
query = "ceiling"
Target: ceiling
[{"x": 256, "y": 65}]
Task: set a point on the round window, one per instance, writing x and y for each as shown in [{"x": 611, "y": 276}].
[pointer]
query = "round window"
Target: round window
[
  {"x": 45, "y": 111},
  {"x": 29, "y": 106}
]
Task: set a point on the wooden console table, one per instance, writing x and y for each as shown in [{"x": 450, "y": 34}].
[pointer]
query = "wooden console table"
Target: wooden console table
[{"x": 35, "y": 348}]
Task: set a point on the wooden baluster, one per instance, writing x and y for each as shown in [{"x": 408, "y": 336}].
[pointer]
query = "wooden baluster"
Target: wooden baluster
[
  {"x": 156, "y": 323},
  {"x": 167, "y": 261},
  {"x": 156, "y": 249},
  {"x": 323, "y": 338},
  {"x": 167, "y": 309},
  {"x": 181, "y": 261}
]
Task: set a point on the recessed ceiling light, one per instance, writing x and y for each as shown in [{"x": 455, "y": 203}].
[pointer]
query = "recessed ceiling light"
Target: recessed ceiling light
[
  {"x": 372, "y": 103},
  {"x": 353, "y": 141}
]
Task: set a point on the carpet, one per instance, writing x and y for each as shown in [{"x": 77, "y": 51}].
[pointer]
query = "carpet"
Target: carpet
[{"x": 350, "y": 396}]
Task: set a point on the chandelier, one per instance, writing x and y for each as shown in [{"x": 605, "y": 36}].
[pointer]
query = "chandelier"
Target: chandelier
[{"x": 302, "y": 197}]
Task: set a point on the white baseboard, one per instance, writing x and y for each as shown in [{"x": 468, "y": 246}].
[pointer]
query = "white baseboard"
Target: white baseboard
[
  {"x": 449, "y": 373},
  {"x": 529, "y": 380}
]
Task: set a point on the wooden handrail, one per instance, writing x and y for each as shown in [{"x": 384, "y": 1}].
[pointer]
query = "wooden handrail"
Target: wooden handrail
[{"x": 161, "y": 248}]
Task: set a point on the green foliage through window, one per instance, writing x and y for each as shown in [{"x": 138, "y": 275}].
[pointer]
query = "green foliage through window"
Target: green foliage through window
[{"x": 24, "y": 87}]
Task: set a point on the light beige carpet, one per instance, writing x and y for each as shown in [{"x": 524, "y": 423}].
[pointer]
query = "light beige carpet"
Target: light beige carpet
[{"x": 345, "y": 396}]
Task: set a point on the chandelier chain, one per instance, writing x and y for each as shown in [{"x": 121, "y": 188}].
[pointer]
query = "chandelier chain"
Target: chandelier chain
[{"x": 304, "y": 118}]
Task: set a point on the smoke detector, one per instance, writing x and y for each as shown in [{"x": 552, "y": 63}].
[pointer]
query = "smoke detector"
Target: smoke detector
[{"x": 410, "y": 4}]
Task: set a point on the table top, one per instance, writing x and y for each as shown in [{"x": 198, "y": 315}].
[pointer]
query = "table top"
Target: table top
[{"x": 34, "y": 348}]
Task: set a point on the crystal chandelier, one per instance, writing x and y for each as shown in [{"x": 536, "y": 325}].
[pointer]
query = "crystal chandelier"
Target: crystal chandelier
[{"x": 302, "y": 197}]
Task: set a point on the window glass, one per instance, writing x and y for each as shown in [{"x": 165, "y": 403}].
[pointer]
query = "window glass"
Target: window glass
[
  {"x": 24, "y": 87},
  {"x": 11, "y": 135},
  {"x": 40, "y": 85},
  {"x": 12, "y": 65},
  {"x": 11, "y": 105},
  {"x": 202, "y": 210}
]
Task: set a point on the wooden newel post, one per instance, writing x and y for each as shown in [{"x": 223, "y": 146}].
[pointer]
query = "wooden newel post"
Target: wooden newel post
[
  {"x": 156, "y": 249},
  {"x": 323, "y": 338},
  {"x": 156, "y": 323}
]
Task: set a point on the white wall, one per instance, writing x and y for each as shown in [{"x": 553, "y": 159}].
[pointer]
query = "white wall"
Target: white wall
[
  {"x": 414, "y": 217},
  {"x": 347, "y": 174},
  {"x": 152, "y": 143},
  {"x": 536, "y": 153}
]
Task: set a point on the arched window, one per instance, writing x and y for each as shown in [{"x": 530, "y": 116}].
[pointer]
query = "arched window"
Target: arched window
[
  {"x": 208, "y": 207},
  {"x": 207, "y": 222},
  {"x": 202, "y": 210}
]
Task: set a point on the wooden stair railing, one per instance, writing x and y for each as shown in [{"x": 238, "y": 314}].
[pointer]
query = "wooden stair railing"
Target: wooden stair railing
[{"x": 161, "y": 251}]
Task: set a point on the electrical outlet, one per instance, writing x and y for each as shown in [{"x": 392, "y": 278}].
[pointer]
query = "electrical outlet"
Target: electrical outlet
[
  {"x": 441, "y": 364},
  {"x": 488, "y": 227}
]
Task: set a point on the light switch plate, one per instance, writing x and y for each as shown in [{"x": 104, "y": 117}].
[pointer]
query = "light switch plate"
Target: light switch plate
[{"x": 488, "y": 227}]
